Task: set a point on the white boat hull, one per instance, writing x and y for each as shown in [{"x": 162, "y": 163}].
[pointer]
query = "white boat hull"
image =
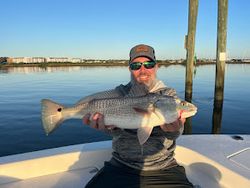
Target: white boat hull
[{"x": 210, "y": 161}]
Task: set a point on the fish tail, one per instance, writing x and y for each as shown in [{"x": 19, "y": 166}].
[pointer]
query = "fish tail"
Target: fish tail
[{"x": 51, "y": 115}]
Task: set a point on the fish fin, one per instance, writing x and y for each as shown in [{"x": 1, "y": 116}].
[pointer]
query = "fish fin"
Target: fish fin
[
  {"x": 143, "y": 134},
  {"x": 51, "y": 115}
]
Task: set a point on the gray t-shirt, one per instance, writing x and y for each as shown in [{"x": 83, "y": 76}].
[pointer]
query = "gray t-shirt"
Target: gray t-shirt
[{"x": 158, "y": 151}]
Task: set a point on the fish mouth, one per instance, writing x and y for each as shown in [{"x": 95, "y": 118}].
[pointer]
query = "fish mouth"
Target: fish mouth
[{"x": 188, "y": 114}]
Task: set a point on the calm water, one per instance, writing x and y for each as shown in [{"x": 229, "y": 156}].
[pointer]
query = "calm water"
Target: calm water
[{"x": 22, "y": 88}]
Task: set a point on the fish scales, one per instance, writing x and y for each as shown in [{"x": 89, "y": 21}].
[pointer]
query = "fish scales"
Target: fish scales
[
  {"x": 142, "y": 112},
  {"x": 115, "y": 103}
]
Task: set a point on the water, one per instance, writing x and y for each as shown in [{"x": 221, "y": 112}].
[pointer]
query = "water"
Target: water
[{"x": 22, "y": 88}]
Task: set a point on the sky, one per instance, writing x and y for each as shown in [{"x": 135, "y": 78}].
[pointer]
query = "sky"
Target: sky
[{"x": 108, "y": 29}]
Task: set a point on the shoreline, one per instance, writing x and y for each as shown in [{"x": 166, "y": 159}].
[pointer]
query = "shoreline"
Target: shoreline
[{"x": 44, "y": 65}]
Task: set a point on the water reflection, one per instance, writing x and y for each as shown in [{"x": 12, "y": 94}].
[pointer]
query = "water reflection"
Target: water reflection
[
  {"x": 188, "y": 126},
  {"x": 217, "y": 117},
  {"x": 27, "y": 70}
]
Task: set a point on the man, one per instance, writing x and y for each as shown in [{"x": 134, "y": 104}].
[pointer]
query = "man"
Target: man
[{"x": 133, "y": 165}]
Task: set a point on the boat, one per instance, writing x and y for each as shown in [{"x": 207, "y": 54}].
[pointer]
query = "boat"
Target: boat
[{"x": 211, "y": 161}]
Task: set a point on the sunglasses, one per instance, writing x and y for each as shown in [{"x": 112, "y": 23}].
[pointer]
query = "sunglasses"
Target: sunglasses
[{"x": 137, "y": 65}]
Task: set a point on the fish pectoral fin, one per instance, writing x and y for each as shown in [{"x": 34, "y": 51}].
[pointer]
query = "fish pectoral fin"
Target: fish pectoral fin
[
  {"x": 158, "y": 114},
  {"x": 143, "y": 134}
]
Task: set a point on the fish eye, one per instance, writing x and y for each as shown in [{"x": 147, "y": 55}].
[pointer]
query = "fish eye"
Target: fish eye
[{"x": 182, "y": 103}]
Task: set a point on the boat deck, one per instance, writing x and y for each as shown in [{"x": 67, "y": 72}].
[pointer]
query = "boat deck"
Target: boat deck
[
  {"x": 209, "y": 160},
  {"x": 69, "y": 179}
]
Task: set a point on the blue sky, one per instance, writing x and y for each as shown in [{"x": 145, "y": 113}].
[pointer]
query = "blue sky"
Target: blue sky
[{"x": 107, "y": 29}]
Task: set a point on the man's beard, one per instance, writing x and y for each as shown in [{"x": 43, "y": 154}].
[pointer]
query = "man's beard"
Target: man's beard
[{"x": 147, "y": 85}]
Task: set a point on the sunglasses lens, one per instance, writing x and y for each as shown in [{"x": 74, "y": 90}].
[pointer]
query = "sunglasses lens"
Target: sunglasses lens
[
  {"x": 135, "y": 66},
  {"x": 149, "y": 64}
]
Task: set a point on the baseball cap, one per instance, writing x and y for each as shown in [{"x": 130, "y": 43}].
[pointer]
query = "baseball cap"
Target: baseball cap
[{"x": 142, "y": 50}]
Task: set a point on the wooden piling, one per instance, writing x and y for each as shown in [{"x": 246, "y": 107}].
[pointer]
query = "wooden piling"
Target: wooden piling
[
  {"x": 220, "y": 64},
  {"x": 190, "y": 46}
]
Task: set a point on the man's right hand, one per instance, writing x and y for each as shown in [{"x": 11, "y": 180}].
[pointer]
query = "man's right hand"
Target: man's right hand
[{"x": 96, "y": 121}]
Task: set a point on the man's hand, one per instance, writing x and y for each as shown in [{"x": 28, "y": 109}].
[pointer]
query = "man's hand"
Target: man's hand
[
  {"x": 173, "y": 127},
  {"x": 96, "y": 121}
]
